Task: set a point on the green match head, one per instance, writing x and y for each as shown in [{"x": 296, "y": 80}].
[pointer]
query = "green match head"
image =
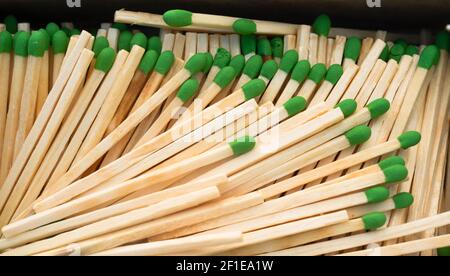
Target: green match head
[
  {"x": 244, "y": 26},
  {"x": 295, "y": 105},
  {"x": 178, "y": 18},
  {"x": 242, "y": 145},
  {"x": 395, "y": 173},
  {"x": 403, "y": 200},
  {"x": 317, "y": 72},
  {"x": 11, "y": 24},
  {"x": 409, "y": 139},
  {"x": 139, "y": 39},
  {"x": 397, "y": 51},
  {"x": 154, "y": 43},
  {"x": 75, "y": 31},
  {"x": 411, "y": 50},
  {"x": 358, "y": 135},
  {"x": 119, "y": 26},
  {"x": 322, "y": 25},
  {"x": 391, "y": 161},
  {"x": 46, "y": 39},
  {"x": 334, "y": 73},
  {"x": 352, "y": 48},
  {"x": 428, "y": 57},
  {"x": 443, "y": 251},
  {"x": 6, "y": 42},
  {"x": 164, "y": 62},
  {"x": 105, "y": 60},
  {"x": 225, "y": 76},
  {"x": 301, "y": 71},
  {"x": 248, "y": 44},
  {"x": 208, "y": 63},
  {"x": 269, "y": 69},
  {"x": 263, "y": 47},
  {"x": 347, "y": 106},
  {"x": 196, "y": 63},
  {"x": 277, "y": 46},
  {"x": 253, "y": 89},
  {"x": 66, "y": 30},
  {"x": 443, "y": 40},
  {"x": 188, "y": 90},
  {"x": 36, "y": 44},
  {"x": 148, "y": 61},
  {"x": 374, "y": 220},
  {"x": 377, "y": 194},
  {"x": 222, "y": 58},
  {"x": 237, "y": 62},
  {"x": 385, "y": 53},
  {"x": 21, "y": 43},
  {"x": 253, "y": 66},
  {"x": 288, "y": 61},
  {"x": 124, "y": 42},
  {"x": 402, "y": 42},
  {"x": 51, "y": 29},
  {"x": 100, "y": 43},
  {"x": 378, "y": 107}
]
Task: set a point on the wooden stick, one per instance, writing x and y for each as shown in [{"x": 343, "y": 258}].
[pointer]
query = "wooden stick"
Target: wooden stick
[
  {"x": 338, "y": 50},
  {"x": 113, "y": 37},
  {"x": 312, "y": 48},
  {"x": 5, "y": 72},
  {"x": 214, "y": 43},
  {"x": 23, "y": 26},
  {"x": 290, "y": 43},
  {"x": 168, "y": 41},
  {"x": 43, "y": 86},
  {"x": 303, "y": 41},
  {"x": 329, "y": 53},
  {"x": 341, "y": 86},
  {"x": 366, "y": 45},
  {"x": 202, "y": 43},
  {"x": 366, "y": 238}
]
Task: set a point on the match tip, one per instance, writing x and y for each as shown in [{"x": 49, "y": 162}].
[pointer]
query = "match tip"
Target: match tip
[
  {"x": 225, "y": 76},
  {"x": 378, "y": 107},
  {"x": 352, "y": 48},
  {"x": 6, "y": 42},
  {"x": 322, "y": 25},
  {"x": 443, "y": 251},
  {"x": 277, "y": 46},
  {"x": 288, "y": 61},
  {"x": 36, "y": 44},
  {"x": 196, "y": 63},
  {"x": 301, "y": 71},
  {"x": 148, "y": 61},
  {"x": 208, "y": 63},
  {"x": 398, "y": 49},
  {"x": 443, "y": 40},
  {"x": 244, "y": 26},
  {"x": 75, "y": 31},
  {"x": 334, "y": 73},
  {"x": 51, "y": 29},
  {"x": 347, "y": 106},
  {"x": 385, "y": 53},
  {"x": 411, "y": 50},
  {"x": 139, "y": 39},
  {"x": 269, "y": 69},
  {"x": 21, "y": 43},
  {"x": 403, "y": 200},
  {"x": 10, "y": 24},
  {"x": 105, "y": 60},
  {"x": 374, "y": 220},
  {"x": 248, "y": 44},
  {"x": 391, "y": 161},
  {"x": 409, "y": 139},
  {"x": 377, "y": 194},
  {"x": 188, "y": 90},
  {"x": 428, "y": 57},
  {"x": 237, "y": 62},
  {"x": 263, "y": 47},
  {"x": 295, "y": 105},
  {"x": 222, "y": 58},
  {"x": 124, "y": 42},
  {"x": 178, "y": 18},
  {"x": 164, "y": 62},
  {"x": 358, "y": 135},
  {"x": 253, "y": 66},
  {"x": 119, "y": 26},
  {"x": 317, "y": 72},
  {"x": 100, "y": 43},
  {"x": 395, "y": 173},
  {"x": 154, "y": 43},
  {"x": 242, "y": 145},
  {"x": 253, "y": 88},
  {"x": 46, "y": 37}
]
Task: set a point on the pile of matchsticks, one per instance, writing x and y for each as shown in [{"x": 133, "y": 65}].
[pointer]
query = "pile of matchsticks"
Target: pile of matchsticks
[{"x": 222, "y": 136}]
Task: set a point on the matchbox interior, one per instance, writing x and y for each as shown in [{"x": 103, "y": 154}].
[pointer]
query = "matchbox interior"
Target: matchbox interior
[{"x": 393, "y": 15}]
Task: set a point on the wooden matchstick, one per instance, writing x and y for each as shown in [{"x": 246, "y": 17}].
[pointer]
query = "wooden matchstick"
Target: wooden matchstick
[
  {"x": 298, "y": 75},
  {"x": 330, "y": 47},
  {"x": 312, "y": 48},
  {"x": 43, "y": 86},
  {"x": 332, "y": 77},
  {"x": 113, "y": 37},
  {"x": 315, "y": 77},
  {"x": 366, "y": 45},
  {"x": 214, "y": 44},
  {"x": 352, "y": 51},
  {"x": 321, "y": 27},
  {"x": 59, "y": 48},
  {"x": 6, "y": 47},
  {"x": 338, "y": 50}
]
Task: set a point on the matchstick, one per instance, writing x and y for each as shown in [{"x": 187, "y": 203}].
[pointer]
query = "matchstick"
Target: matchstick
[
  {"x": 23, "y": 27},
  {"x": 101, "y": 33},
  {"x": 237, "y": 62},
  {"x": 214, "y": 43},
  {"x": 224, "y": 42},
  {"x": 168, "y": 41},
  {"x": 268, "y": 71},
  {"x": 10, "y": 22},
  {"x": 289, "y": 43},
  {"x": 303, "y": 41},
  {"x": 113, "y": 37},
  {"x": 278, "y": 48},
  {"x": 264, "y": 48},
  {"x": 248, "y": 45},
  {"x": 366, "y": 45},
  {"x": 298, "y": 75},
  {"x": 352, "y": 51},
  {"x": 332, "y": 77},
  {"x": 175, "y": 246},
  {"x": 43, "y": 86},
  {"x": 286, "y": 65},
  {"x": 6, "y": 46},
  {"x": 337, "y": 52},
  {"x": 36, "y": 49},
  {"x": 315, "y": 77},
  {"x": 321, "y": 27},
  {"x": 330, "y": 47},
  {"x": 60, "y": 42},
  {"x": 203, "y": 41},
  {"x": 312, "y": 48},
  {"x": 251, "y": 70},
  {"x": 235, "y": 44},
  {"x": 221, "y": 59}
]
